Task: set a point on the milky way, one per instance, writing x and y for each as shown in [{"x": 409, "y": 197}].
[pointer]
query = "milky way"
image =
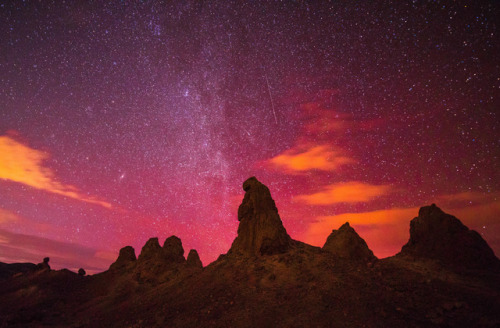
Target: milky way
[{"x": 124, "y": 120}]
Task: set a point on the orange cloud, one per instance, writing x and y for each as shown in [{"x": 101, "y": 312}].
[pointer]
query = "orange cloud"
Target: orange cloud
[
  {"x": 23, "y": 164},
  {"x": 315, "y": 158},
  {"x": 7, "y": 216},
  {"x": 348, "y": 192}
]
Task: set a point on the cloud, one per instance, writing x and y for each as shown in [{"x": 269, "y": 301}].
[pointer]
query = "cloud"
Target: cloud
[
  {"x": 23, "y": 164},
  {"x": 7, "y": 216},
  {"x": 346, "y": 192},
  {"x": 467, "y": 198},
  {"x": 319, "y": 157}
]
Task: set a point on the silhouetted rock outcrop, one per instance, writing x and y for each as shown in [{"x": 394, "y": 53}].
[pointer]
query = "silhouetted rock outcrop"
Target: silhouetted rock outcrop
[
  {"x": 81, "y": 272},
  {"x": 173, "y": 250},
  {"x": 345, "y": 243},
  {"x": 150, "y": 250},
  {"x": 43, "y": 266},
  {"x": 193, "y": 259},
  {"x": 260, "y": 231},
  {"x": 125, "y": 258},
  {"x": 155, "y": 262},
  {"x": 437, "y": 235}
]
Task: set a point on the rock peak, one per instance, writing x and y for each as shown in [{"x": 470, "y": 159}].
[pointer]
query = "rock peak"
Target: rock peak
[
  {"x": 345, "y": 243},
  {"x": 437, "y": 235},
  {"x": 173, "y": 250},
  {"x": 193, "y": 259},
  {"x": 125, "y": 258},
  {"x": 260, "y": 231},
  {"x": 150, "y": 250}
]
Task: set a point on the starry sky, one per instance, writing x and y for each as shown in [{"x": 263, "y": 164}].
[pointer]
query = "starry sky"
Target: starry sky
[{"x": 125, "y": 120}]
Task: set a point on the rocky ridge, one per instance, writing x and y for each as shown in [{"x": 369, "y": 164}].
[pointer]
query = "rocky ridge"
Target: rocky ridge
[{"x": 269, "y": 280}]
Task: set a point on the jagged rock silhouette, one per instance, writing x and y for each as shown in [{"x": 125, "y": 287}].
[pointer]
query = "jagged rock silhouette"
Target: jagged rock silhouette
[
  {"x": 269, "y": 280},
  {"x": 193, "y": 259},
  {"x": 440, "y": 236},
  {"x": 125, "y": 258},
  {"x": 345, "y": 243}
]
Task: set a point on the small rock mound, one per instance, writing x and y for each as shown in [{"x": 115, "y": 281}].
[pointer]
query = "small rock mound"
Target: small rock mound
[
  {"x": 193, "y": 259},
  {"x": 437, "y": 235},
  {"x": 44, "y": 266},
  {"x": 81, "y": 272},
  {"x": 125, "y": 258},
  {"x": 261, "y": 231},
  {"x": 345, "y": 243}
]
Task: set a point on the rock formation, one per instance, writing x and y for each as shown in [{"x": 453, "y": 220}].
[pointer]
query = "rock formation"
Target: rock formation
[
  {"x": 193, "y": 259},
  {"x": 125, "y": 258},
  {"x": 345, "y": 243},
  {"x": 81, "y": 272},
  {"x": 151, "y": 250},
  {"x": 172, "y": 250},
  {"x": 302, "y": 286},
  {"x": 155, "y": 262},
  {"x": 44, "y": 266},
  {"x": 440, "y": 236},
  {"x": 260, "y": 231}
]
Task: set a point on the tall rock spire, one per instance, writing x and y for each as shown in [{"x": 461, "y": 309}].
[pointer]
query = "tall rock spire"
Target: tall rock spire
[{"x": 261, "y": 231}]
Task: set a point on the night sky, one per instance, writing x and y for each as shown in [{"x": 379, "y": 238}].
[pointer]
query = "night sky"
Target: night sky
[{"x": 125, "y": 120}]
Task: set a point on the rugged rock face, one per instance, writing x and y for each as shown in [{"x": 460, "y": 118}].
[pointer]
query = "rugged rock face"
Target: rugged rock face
[
  {"x": 437, "y": 235},
  {"x": 345, "y": 243},
  {"x": 261, "y": 231},
  {"x": 193, "y": 259}
]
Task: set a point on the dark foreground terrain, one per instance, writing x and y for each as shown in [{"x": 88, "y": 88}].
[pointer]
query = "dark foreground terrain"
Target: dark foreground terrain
[{"x": 445, "y": 276}]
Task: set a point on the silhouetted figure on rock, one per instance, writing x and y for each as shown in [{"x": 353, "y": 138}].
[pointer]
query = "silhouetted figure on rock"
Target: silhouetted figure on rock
[
  {"x": 44, "y": 266},
  {"x": 345, "y": 243}
]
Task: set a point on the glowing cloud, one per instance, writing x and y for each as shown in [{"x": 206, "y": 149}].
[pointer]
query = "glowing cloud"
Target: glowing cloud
[
  {"x": 24, "y": 165},
  {"x": 7, "y": 216},
  {"x": 348, "y": 192},
  {"x": 315, "y": 158}
]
